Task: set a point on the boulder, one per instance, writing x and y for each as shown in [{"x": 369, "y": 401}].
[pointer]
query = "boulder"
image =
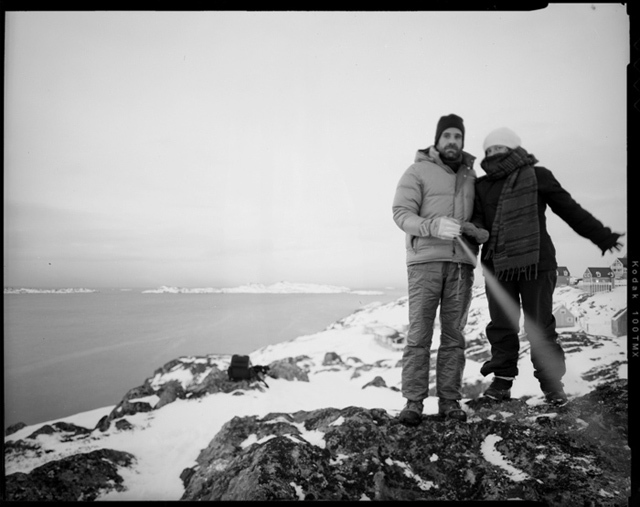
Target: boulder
[
  {"x": 80, "y": 477},
  {"x": 123, "y": 425},
  {"x": 170, "y": 392},
  {"x": 376, "y": 382},
  {"x": 287, "y": 369},
  {"x": 217, "y": 381},
  {"x": 60, "y": 427},
  {"x": 14, "y": 428},
  {"x": 331, "y": 358}
]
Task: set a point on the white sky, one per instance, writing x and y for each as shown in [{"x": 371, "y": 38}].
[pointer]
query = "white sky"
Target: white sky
[{"x": 221, "y": 148}]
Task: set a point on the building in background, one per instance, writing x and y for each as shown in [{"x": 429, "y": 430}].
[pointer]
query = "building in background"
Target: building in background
[
  {"x": 619, "y": 268},
  {"x": 564, "y": 317},
  {"x": 598, "y": 280},
  {"x": 619, "y": 323},
  {"x": 564, "y": 277}
]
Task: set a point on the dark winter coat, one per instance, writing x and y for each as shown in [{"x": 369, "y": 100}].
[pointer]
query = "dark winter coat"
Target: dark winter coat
[
  {"x": 429, "y": 189},
  {"x": 550, "y": 193}
]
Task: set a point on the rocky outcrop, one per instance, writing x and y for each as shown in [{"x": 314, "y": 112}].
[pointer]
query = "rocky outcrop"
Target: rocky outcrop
[
  {"x": 80, "y": 477},
  {"x": 576, "y": 455},
  {"x": 288, "y": 369},
  {"x": 155, "y": 393},
  {"x": 70, "y": 431},
  {"x": 13, "y": 428}
]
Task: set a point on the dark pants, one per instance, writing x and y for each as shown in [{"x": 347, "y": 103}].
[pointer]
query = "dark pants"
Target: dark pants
[
  {"x": 536, "y": 297},
  {"x": 431, "y": 285}
]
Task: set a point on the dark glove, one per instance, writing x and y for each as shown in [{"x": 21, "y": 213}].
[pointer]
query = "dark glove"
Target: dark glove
[
  {"x": 480, "y": 235},
  {"x": 612, "y": 243}
]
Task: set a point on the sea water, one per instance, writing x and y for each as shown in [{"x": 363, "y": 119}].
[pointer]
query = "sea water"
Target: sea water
[{"x": 74, "y": 352}]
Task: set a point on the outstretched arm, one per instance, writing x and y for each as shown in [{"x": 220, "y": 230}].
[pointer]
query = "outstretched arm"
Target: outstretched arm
[{"x": 579, "y": 219}]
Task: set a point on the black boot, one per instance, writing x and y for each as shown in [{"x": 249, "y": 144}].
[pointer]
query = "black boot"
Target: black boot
[
  {"x": 553, "y": 392},
  {"x": 411, "y": 414},
  {"x": 499, "y": 390},
  {"x": 451, "y": 409}
]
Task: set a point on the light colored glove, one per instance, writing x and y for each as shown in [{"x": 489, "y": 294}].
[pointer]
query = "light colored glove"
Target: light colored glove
[
  {"x": 444, "y": 228},
  {"x": 480, "y": 235}
]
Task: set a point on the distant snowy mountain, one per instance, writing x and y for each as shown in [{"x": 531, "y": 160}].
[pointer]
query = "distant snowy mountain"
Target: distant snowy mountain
[
  {"x": 12, "y": 290},
  {"x": 160, "y": 439},
  {"x": 252, "y": 288},
  {"x": 258, "y": 288}
]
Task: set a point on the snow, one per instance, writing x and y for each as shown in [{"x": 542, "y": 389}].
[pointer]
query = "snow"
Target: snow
[
  {"x": 406, "y": 468},
  {"x": 493, "y": 456},
  {"x": 168, "y": 440},
  {"x": 299, "y": 490}
]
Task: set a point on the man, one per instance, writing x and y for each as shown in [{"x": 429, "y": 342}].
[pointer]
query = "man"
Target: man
[
  {"x": 520, "y": 264},
  {"x": 433, "y": 204}
]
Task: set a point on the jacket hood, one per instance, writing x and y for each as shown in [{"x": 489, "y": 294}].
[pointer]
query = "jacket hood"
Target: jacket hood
[{"x": 431, "y": 154}]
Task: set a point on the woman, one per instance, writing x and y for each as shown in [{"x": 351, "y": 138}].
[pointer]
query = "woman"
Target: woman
[{"x": 519, "y": 261}]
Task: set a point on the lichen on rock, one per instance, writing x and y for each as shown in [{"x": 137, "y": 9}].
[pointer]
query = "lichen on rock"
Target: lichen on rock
[{"x": 542, "y": 455}]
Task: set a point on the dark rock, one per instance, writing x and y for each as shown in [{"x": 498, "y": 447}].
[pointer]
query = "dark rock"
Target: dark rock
[
  {"x": 331, "y": 358},
  {"x": 60, "y": 427},
  {"x": 288, "y": 369},
  {"x": 47, "y": 429},
  {"x": 357, "y": 372},
  {"x": 211, "y": 383},
  {"x": 577, "y": 455},
  {"x": 170, "y": 392},
  {"x": 21, "y": 449},
  {"x": 606, "y": 372},
  {"x": 123, "y": 424},
  {"x": 80, "y": 477},
  {"x": 103, "y": 424},
  {"x": 167, "y": 367},
  {"x": 186, "y": 475},
  {"x": 217, "y": 381},
  {"x": 130, "y": 408},
  {"x": 14, "y": 428},
  {"x": 376, "y": 382},
  {"x": 139, "y": 392}
]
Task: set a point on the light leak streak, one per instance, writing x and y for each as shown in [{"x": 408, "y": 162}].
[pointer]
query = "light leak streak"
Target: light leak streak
[{"x": 512, "y": 307}]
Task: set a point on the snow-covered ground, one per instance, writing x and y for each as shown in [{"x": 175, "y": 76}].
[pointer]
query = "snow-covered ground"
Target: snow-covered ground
[{"x": 168, "y": 440}]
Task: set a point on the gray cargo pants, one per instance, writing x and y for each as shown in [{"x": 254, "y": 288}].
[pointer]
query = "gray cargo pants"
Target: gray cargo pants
[{"x": 447, "y": 284}]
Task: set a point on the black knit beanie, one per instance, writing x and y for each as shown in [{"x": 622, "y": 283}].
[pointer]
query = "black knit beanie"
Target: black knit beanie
[{"x": 452, "y": 120}]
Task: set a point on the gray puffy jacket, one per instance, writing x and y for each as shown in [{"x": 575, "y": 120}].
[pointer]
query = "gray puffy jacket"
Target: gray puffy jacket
[{"x": 429, "y": 189}]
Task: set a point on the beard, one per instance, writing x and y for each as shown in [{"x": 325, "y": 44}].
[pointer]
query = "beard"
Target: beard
[{"x": 450, "y": 152}]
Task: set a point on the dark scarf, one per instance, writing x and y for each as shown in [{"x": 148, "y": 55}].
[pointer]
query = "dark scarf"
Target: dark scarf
[{"x": 514, "y": 243}]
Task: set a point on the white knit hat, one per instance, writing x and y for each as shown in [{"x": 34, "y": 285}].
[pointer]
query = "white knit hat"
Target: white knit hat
[{"x": 502, "y": 137}]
